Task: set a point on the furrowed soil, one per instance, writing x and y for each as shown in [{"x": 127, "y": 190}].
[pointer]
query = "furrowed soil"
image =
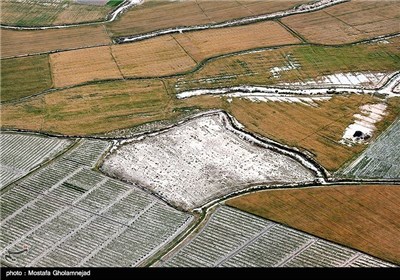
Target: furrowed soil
[{"x": 360, "y": 217}]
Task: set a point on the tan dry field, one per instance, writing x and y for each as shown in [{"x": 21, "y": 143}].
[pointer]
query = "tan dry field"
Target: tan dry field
[
  {"x": 164, "y": 55},
  {"x": 15, "y": 43},
  {"x": 79, "y": 66},
  {"x": 362, "y": 217},
  {"x": 207, "y": 43},
  {"x": 156, "y": 15},
  {"x": 347, "y": 22},
  {"x": 150, "y": 58}
]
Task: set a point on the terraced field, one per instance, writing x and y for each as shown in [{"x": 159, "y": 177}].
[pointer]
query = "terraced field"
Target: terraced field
[
  {"x": 381, "y": 159},
  {"x": 235, "y": 238},
  {"x": 22, "y": 153},
  {"x": 68, "y": 215}
]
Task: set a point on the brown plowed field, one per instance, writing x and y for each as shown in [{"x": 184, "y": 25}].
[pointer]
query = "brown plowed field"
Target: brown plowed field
[
  {"x": 14, "y": 43},
  {"x": 362, "y": 217},
  {"x": 348, "y": 22},
  {"x": 207, "y": 43},
  {"x": 155, "y": 15},
  {"x": 154, "y": 57},
  {"x": 78, "y": 66}
]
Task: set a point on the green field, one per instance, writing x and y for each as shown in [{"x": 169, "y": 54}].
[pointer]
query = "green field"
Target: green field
[
  {"x": 114, "y": 3},
  {"x": 25, "y": 76}
]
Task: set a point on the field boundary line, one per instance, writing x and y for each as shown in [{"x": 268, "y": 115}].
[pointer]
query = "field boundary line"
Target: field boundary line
[
  {"x": 116, "y": 234},
  {"x": 248, "y": 242},
  {"x": 77, "y": 229},
  {"x": 116, "y": 63},
  {"x": 179, "y": 44},
  {"x": 299, "y": 250}
]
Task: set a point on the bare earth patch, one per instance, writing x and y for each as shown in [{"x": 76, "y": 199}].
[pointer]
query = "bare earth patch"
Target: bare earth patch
[{"x": 201, "y": 160}]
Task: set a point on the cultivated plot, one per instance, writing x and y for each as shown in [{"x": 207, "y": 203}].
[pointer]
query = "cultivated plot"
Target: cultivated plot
[
  {"x": 201, "y": 160},
  {"x": 207, "y": 43},
  {"x": 234, "y": 238},
  {"x": 75, "y": 67},
  {"x": 68, "y": 215},
  {"x": 24, "y": 76},
  {"x": 151, "y": 58},
  {"x": 347, "y": 22},
  {"x": 22, "y": 153},
  {"x": 381, "y": 159},
  {"x": 51, "y": 12},
  {"x": 358, "y": 216},
  {"x": 17, "y": 43},
  {"x": 156, "y": 15}
]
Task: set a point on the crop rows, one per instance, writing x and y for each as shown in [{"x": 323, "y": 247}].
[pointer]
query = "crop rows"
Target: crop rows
[
  {"x": 66, "y": 215},
  {"x": 21, "y": 153},
  {"x": 233, "y": 238},
  {"x": 88, "y": 153},
  {"x": 381, "y": 159}
]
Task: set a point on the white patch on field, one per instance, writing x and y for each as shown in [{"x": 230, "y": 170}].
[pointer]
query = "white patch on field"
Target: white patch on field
[
  {"x": 200, "y": 160},
  {"x": 367, "y": 80},
  {"x": 290, "y": 65},
  {"x": 364, "y": 124}
]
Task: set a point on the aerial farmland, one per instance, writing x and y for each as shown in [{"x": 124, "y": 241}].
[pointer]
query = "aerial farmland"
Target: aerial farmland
[{"x": 152, "y": 133}]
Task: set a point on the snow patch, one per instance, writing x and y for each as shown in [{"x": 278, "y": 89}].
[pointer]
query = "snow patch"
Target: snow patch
[
  {"x": 201, "y": 160},
  {"x": 364, "y": 124}
]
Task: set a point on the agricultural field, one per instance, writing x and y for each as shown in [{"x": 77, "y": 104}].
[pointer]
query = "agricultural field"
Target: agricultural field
[
  {"x": 154, "y": 15},
  {"x": 104, "y": 107},
  {"x": 248, "y": 133},
  {"x": 151, "y": 58},
  {"x": 51, "y": 12},
  {"x": 296, "y": 66},
  {"x": 22, "y": 153},
  {"x": 39, "y": 41},
  {"x": 69, "y": 215},
  {"x": 356, "y": 216},
  {"x": 210, "y": 160},
  {"x": 348, "y": 22},
  {"x": 24, "y": 76},
  {"x": 75, "y": 67},
  {"x": 381, "y": 159},
  {"x": 91, "y": 109},
  {"x": 234, "y": 238},
  {"x": 207, "y": 43}
]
